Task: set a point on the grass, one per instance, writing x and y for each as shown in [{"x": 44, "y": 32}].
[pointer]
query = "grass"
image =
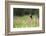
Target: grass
[{"x": 25, "y": 21}]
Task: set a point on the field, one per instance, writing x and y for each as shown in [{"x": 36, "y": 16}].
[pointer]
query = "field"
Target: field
[{"x": 25, "y": 21}]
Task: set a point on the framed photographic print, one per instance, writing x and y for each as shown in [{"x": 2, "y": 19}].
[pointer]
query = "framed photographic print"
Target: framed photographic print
[{"x": 24, "y": 18}]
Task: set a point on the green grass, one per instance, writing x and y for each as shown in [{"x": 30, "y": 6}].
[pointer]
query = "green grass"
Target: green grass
[{"x": 25, "y": 21}]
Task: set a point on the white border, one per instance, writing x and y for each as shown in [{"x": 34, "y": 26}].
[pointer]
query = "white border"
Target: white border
[{"x": 25, "y": 29}]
